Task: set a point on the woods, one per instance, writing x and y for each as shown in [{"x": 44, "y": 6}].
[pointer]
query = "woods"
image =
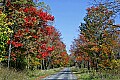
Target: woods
[
  {"x": 28, "y": 38},
  {"x": 29, "y": 41},
  {"x": 97, "y": 45}
]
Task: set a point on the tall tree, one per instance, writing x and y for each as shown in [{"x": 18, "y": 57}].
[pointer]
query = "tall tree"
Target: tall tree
[
  {"x": 34, "y": 40},
  {"x": 97, "y": 37}
]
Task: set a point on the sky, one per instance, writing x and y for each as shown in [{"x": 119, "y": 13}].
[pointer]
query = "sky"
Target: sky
[{"x": 68, "y": 16}]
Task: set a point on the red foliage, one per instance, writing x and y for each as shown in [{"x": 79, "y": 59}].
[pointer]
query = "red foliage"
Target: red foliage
[
  {"x": 44, "y": 54},
  {"x": 50, "y": 48},
  {"x": 97, "y": 8},
  {"x": 13, "y": 54},
  {"x": 43, "y": 46},
  {"x": 88, "y": 9},
  {"x": 63, "y": 53},
  {"x": 30, "y": 9},
  {"x": 38, "y": 56},
  {"x": 45, "y": 16},
  {"x": 27, "y": 30},
  {"x": 79, "y": 58},
  {"x": 17, "y": 44},
  {"x": 14, "y": 59},
  {"x": 29, "y": 21},
  {"x": 18, "y": 34},
  {"x": 34, "y": 36},
  {"x": 86, "y": 58},
  {"x": 39, "y": 52},
  {"x": 49, "y": 29},
  {"x": 8, "y": 42},
  {"x": 8, "y": 3}
]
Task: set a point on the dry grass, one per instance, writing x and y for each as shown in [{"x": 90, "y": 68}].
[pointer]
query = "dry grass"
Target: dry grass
[
  {"x": 12, "y": 74},
  {"x": 39, "y": 74}
]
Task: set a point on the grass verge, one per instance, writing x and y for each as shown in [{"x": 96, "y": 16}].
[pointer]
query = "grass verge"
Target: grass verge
[
  {"x": 12, "y": 74},
  {"x": 84, "y": 74},
  {"x": 39, "y": 74}
]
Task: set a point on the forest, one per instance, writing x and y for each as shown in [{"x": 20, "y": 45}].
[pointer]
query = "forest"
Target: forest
[{"x": 31, "y": 47}]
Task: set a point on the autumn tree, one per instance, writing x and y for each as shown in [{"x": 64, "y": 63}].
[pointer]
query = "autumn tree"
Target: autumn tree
[
  {"x": 98, "y": 38},
  {"x": 113, "y": 5},
  {"x": 103, "y": 32},
  {"x": 34, "y": 41},
  {"x": 4, "y": 35}
]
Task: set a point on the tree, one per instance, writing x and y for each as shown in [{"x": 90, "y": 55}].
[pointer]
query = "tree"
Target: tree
[
  {"x": 97, "y": 40},
  {"x": 113, "y": 5},
  {"x": 4, "y": 35},
  {"x": 32, "y": 43}
]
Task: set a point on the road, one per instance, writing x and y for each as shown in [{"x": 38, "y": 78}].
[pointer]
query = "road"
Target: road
[{"x": 65, "y": 74}]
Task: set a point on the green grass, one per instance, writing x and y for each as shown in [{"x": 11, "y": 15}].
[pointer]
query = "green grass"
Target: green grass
[
  {"x": 12, "y": 74},
  {"x": 84, "y": 74}
]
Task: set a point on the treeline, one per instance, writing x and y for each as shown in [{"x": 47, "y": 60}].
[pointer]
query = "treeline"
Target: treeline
[
  {"x": 28, "y": 39},
  {"x": 98, "y": 43}
]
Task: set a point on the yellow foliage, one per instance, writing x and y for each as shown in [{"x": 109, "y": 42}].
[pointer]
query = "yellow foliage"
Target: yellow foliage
[
  {"x": 10, "y": 23},
  {"x": 115, "y": 63},
  {"x": 34, "y": 62},
  {"x": 105, "y": 48},
  {"x": 1, "y": 59},
  {"x": 2, "y": 19},
  {"x": 96, "y": 49},
  {"x": 112, "y": 64},
  {"x": 101, "y": 65}
]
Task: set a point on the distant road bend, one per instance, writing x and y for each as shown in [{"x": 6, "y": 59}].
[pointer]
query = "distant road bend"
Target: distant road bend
[{"x": 65, "y": 74}]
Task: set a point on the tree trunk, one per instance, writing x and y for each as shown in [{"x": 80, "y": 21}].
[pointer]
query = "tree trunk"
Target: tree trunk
[
  {"x": 84, "y": 64},
  {"x": 88, "y": 65},
  {"x": 43, "y": 65},
  {"x": 10, "y": 48},
  {"x": 96, "y": 65}
]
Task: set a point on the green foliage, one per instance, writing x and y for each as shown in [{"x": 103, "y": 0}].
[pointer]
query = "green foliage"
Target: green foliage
[
  {"x": 4, "y": 35},
  {"x": 1, "y": 0},
  {"x": 19, "y": 2},
  {"x": 43, "y": 6}
]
